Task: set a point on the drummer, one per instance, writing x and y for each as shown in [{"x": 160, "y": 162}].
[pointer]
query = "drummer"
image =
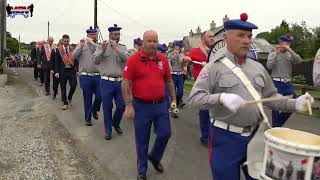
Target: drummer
[{"x": 222, "y": 92}]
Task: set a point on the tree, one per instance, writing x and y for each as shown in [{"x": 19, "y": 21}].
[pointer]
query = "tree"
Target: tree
[
  {"x": 12, "y": 44},
  {"x": 32, "y": 44},
  {"x": 275, "y": 33},
  {"x": 305, "y": 39}
]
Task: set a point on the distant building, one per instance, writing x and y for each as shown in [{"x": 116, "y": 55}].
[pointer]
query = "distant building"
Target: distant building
[{"x": 192, "y": 41}]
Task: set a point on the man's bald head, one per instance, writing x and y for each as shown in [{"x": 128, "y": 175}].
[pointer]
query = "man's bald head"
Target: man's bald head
[
  {"x": 50, "y": 40},
  {"x": 150, "y": 33},
  {"x": 150, "y": 42}
]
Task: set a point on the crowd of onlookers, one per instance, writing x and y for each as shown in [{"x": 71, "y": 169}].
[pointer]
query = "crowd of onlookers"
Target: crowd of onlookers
[{"x": 19, "y": 61}]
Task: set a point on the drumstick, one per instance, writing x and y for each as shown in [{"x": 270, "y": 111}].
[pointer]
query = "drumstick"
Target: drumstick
[
  {"x": 270, "y": 99},
  {"x": 309, "y": 105}
]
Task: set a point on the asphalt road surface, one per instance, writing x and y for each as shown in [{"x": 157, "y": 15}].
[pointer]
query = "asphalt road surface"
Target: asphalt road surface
[{"x": 185, "y": 158}]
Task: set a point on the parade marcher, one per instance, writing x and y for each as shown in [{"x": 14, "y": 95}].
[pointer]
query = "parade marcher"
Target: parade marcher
[
  {"x": 223, "y": 86},
  {"x": 150, "y": 69},
  {"x": 34, "y": 60},
  {"x": 89, "y": 75},
  {"x": 137, "y": 46},
  {"x": 55, "y": 80},
  {"x": 198, "y": 58},
  {"x": 163, "y": 48},
  {"x": 45, "y": 63},
  {"x": 280, "y": 62},
  {"x": 38, "y": 55},
  {"x": 316, "y": 69},
  {"x": 112, "y": 57},
  {"x": 66, "y": 70},
  {"x": 177, "y": 64}
]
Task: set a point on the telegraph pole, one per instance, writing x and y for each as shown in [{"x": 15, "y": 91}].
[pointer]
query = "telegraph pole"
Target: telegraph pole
[
  {"x": 3, "y": 31},
  {"x": 48, "y": 29},
  {"x": 95, "y": 14}
]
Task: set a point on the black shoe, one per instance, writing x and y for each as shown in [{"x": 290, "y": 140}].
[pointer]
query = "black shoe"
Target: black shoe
[
  {"x": 205, "y": 144},
  {"x": 95, "y": 115},
  {"x": 182, "y": 105},
  {"x": 157, "y": 165},
  {"x": 107, "y": 137},
  {"x": 54, "y": 96},
  {"x": 118, "y": 130},
  {"x": 174, "y": 115},
  {"x": 141, "y": 177},
  {"x": 88, "y": 123},
  {"x": 47, "y": 93}
]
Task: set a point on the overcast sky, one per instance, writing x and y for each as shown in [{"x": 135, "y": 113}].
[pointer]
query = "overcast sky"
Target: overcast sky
[{"x": 173, "y": 19}]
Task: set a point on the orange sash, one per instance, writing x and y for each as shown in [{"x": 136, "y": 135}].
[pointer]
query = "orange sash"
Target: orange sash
[
  {"x": 66, "y": 60},
  {"x": 204, "y": 49},
  {"x": 47, "y": 49}
]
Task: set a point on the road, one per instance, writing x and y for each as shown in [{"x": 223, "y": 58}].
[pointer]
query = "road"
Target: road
[{"x": 185, "y": 158}]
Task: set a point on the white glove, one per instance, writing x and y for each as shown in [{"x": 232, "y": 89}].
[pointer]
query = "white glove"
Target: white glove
[
  {"x": 301, "y": 102},
  {"x": 231, "y": 101}
]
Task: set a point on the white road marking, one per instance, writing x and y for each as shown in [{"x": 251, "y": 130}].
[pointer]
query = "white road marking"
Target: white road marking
[{"x": 39, "y": 94}]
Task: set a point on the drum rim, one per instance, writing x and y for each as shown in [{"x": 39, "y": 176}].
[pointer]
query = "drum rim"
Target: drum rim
[{"x": 270, "y": 137}]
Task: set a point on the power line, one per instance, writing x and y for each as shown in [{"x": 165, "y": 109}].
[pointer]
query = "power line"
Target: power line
[
  {"x": 62, "y": 12},
  {"x": 120, "y": 14}
]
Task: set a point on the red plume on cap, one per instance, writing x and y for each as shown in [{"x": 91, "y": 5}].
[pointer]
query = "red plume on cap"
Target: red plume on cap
[
  {"x": 244, "y": 17},
  {"x": 115, "y": 25}
]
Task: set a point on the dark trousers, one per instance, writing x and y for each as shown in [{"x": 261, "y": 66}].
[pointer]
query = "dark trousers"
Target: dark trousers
[
  {"x": 55, "y": 84},
  {"x": 68, "y": 75},
  {"x": 90, "y": 85},
  {"x": 35, "y": 71},
  {"x": 111, "y": 91},
  {"x": 145, "y": 116},
  {"x": 279, "y": 118},
  {"x": 41, "y": 76},
  {"x": 228, "y": 151},
  {"x": 204, "y": 120},
  {"x": 46, "y": 79},
  {"x": 178, "y": 85}
]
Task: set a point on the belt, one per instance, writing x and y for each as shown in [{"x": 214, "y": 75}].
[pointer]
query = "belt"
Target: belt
[
  {"x": 149, "y": 101},
  {"x": 89, "y": 74},
  {"x": 177, "y": 73},
  {"x": 111, "y": 78},
  {"x": 244, "y": 131},
  {"x": 282, "y": 79}
]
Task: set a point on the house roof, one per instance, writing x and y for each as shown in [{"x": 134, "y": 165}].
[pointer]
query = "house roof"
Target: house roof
[{"x": 262, "y": 45}]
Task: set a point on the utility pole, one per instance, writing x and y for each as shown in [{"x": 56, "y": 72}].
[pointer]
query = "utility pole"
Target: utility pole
[
  {"x": 3, "y": 32},
  {"x": 48, "y": 29},
  {"x": 95, "y": 14}
]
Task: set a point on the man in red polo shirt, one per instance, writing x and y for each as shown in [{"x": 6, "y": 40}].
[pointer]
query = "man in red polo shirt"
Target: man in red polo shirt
[
  {"x": 144, "y": 79},
  {"x": 198, "y": 58}
]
